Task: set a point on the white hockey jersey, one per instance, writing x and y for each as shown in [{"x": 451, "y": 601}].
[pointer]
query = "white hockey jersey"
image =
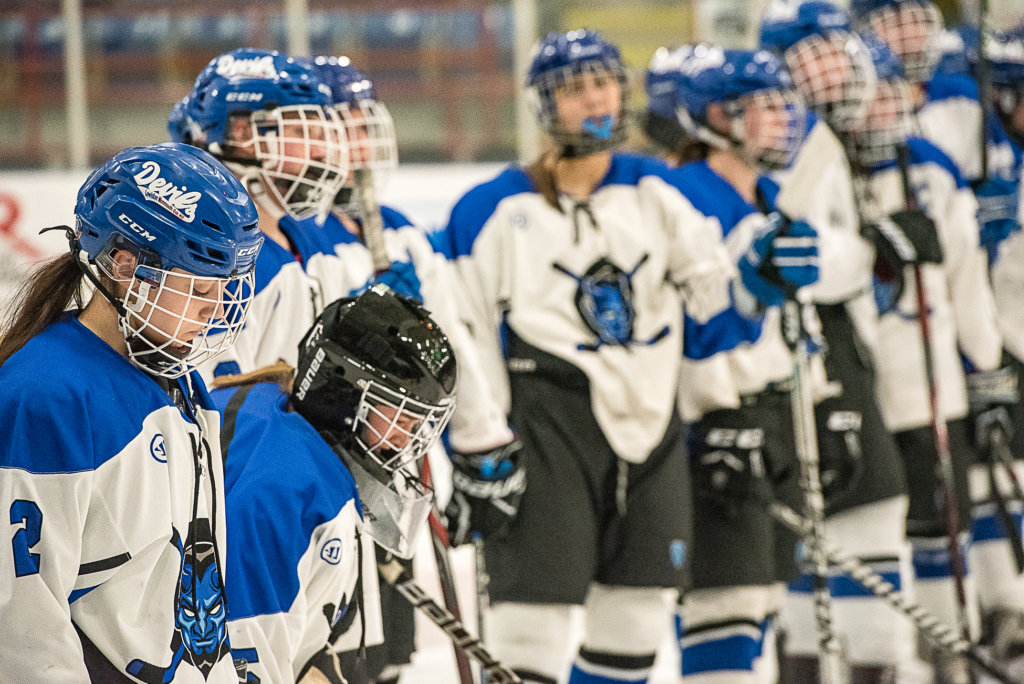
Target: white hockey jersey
[
  {"x": 116, "y": 503},
  {"x": 478, "y": 422},
  {"x": 962, "y": 316},
  {"x": 293, "y": 535},
  {"x": 594, "y": 284}
]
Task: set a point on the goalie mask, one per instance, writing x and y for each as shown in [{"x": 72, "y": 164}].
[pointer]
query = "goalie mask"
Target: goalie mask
[
  {"x": 269, "y": 117},
  {"x": 830, "y": 65},
  {"x": 178, "y": 234},
  {"x": 762, "y": 119},
  {"x": 889, "y": 116},
  {"x": 578, "y": 89},
  {"x": 369, "y": 128},
  {"x": 912, "y": 29},
  {"x": 376, "y": 376}
]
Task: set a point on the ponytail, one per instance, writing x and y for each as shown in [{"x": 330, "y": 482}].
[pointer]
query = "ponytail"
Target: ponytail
[{"x": 40, "y": 301}]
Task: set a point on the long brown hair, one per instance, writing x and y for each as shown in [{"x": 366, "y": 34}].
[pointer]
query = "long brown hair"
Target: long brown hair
[{"x": 40, "y": 301}]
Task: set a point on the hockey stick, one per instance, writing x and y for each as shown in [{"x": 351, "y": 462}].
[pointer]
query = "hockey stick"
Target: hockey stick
[
  {"x": 482, "y": 598},
  {"x": 930, "y": 627},
  {"x": 984, "y": 86},
  {"x": 373, "y": 224},
  {"x": 999, "y": 454},
  {"x": 395, "y": 575},
  {"x": 441, "y": 545},
  {"x": 947, "y": 481},
  {"x": 818, "y": 151}
]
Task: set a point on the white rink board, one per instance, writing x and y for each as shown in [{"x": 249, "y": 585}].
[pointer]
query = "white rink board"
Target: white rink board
[{"x": 32, "y": 200}]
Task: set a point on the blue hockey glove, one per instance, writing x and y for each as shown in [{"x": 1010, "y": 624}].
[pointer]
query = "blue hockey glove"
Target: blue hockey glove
[
  {"x": 998, "y": 203},
  {"x": 782, "y": 258},
  {"x": 402, "y": 279},
  {"x": 487, "y": 487},
  {"x": 992, "y": 397}
]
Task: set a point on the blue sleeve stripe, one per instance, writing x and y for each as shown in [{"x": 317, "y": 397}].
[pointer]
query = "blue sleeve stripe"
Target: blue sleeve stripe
[
  {"x": 924, "y": 152},
  {"x": 950, "y": 86},
  {"x": 393, "y": 219}
]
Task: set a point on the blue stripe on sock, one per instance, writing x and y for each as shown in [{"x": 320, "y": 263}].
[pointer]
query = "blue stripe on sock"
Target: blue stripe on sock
[
  {"x": 733, "y": 653},
  {"x": 933, "y": 563},
  {"x": 578, "y": 676},
  {"x": 841, "y": 586},
  {"x": 989, "y": 528}
]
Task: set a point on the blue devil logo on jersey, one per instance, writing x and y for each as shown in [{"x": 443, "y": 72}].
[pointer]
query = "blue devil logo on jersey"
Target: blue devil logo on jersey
[
  {"x": 200, "y": 623},
  {"x": 604, "y": 298}
]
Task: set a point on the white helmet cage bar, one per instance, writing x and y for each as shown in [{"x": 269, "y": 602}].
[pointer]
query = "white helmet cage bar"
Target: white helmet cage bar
[
  {"x": 370, "y": 132},
  {"x": 781, "y": 119},
  {"x": 174, "y": 320},
  {"x": 303, "y": 157}
]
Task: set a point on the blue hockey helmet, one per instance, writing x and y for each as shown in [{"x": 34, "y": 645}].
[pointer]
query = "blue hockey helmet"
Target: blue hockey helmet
[
  {"x": 559, "y": 61},
  {"x": 661, "y": 83},
  {"x": 829, "y": 64},
  {"x": 269, "y": 117},
  {"x": 911, "y": 28},
  {"x": 178, "y": 122},
  {"x": 369, "y": 128},
  {"x": 1004, "y": 54},
  {"x": 170, "y": 218},
  {"x": 743, "y": 81}
]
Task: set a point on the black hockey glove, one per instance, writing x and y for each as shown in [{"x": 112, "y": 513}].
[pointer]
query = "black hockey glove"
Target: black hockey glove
[
  {"x": 728, "y": 462},
  {"x": 487, "y": 487},
  {"x": 840, "y": 458},
  {"x": 992, "y": 397},
  {"x": 903, "y": 238}
]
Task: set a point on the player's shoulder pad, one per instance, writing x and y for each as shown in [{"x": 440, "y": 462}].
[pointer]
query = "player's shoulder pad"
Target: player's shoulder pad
[
  {"x": 70, "y": 402},
  {"x": 923, "y": 151},
  {"x": 394, "y": 219},
  {"x": 474, "y": 209},
  {"x": 710, "y": 194},
  {"x": 269, "y": 262},
  {"x": 950, "y": 86}
]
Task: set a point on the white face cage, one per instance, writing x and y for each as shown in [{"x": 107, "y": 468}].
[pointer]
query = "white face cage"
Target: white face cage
[
  {"x": 912, "y": 31},
  {"x": 303, "y": 155},
  {"x": 835, "y": 76},
  {"x": 370, "y": 132},
  {"x": 770, "y": 124},
  {"x": 887, "y": 125},
  {"x": 603, "y": 124},
  {"x": 174, "y": 320}
]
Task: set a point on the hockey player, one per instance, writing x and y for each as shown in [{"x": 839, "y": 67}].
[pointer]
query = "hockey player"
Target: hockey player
[
  {"x": 333, "y": 455},
  {"x": 861, "y": 470},
  {"x": 568, "y": 272},
  {"x": 1001, "y": 586},
  {"x": 961, "y": 315},
  {"x": 479, "y": 432},
  {"x": 943, "y": 102},
  {"x": 293, "y": 159},
  {"x": 110, "y": 464}
]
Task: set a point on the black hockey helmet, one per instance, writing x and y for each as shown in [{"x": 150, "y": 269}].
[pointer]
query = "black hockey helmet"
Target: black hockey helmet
[{"x": 376, "y": 376}]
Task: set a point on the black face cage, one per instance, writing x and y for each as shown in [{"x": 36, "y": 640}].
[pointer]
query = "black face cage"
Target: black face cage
[
  {"x": 912, "y": 31},
  {"x": 835, "y": 76},
  {"x": 887, "y": 125},
  {"x": 579, "y": 143}
]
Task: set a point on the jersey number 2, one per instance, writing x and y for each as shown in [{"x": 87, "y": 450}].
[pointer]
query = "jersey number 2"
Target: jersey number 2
[{"x": 27, "y": 513}]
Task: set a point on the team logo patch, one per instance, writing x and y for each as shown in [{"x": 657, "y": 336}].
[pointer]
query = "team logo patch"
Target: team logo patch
[
  {"x": 604, "y": 299},
  {"x": 157, "y": 448},
  {"x": 155, "y": 188},
  {"x": 254, "y": 67},
  {"x": 330, "y": 552},
  {"x": 200, "y": 621}
]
